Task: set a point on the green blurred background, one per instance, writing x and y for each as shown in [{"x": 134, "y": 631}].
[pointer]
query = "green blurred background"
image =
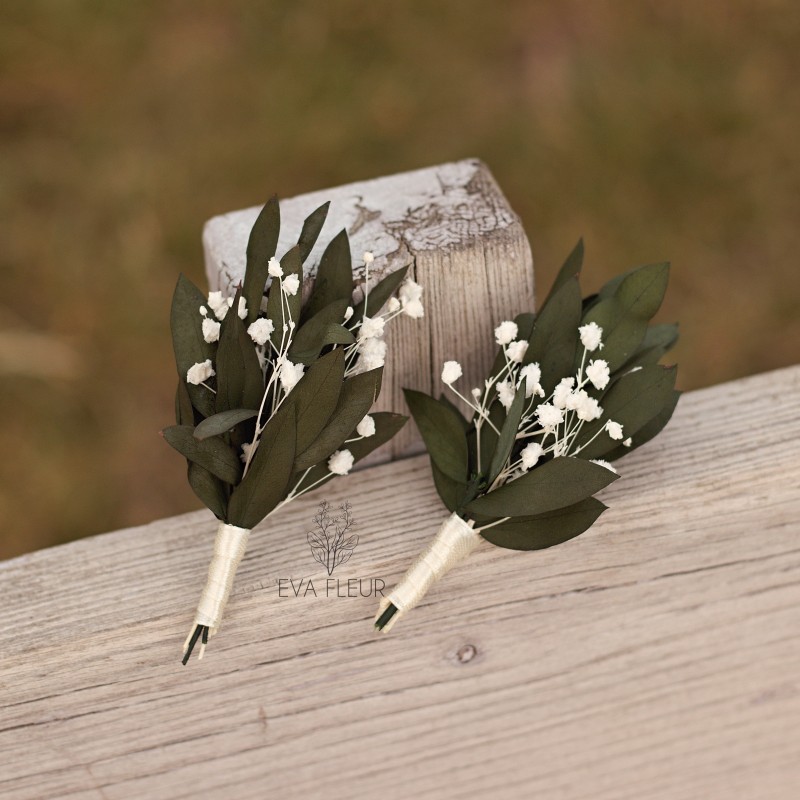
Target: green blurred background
[{"x": 656, "y": 130}]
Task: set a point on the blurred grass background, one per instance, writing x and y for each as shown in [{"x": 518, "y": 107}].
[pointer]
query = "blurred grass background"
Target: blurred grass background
[{"x": 656, "y": 130}]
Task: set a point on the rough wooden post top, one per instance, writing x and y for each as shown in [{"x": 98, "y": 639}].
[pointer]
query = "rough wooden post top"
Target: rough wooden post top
[{"x": 436, "y": 208}]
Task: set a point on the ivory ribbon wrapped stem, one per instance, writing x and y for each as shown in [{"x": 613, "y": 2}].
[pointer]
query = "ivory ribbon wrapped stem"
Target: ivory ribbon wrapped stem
[
  {"x": 229, "y": 548},
  {"x": 455, "y": 540}
]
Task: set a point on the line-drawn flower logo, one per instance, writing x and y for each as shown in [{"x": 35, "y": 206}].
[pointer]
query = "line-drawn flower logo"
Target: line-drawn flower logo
[{"x": 330, "y": 544}]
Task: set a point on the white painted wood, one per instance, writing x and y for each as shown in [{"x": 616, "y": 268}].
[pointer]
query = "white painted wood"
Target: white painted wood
[
  {"x": 465, "y": 245},
  {"x": 656, "y": 656}
]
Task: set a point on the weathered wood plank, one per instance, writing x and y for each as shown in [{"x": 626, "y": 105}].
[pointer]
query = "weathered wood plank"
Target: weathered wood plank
[
  {"x": 464, "y": 243},
  {"x": 654, "y": 657}
]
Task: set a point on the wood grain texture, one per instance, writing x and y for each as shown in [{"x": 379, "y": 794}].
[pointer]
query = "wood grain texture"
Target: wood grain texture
[
  {"x": 655, "y": 656},
  {"x": 464, "y": 243}
]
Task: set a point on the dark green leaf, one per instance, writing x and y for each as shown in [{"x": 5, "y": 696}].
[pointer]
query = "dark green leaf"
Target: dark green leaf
[
  {"x": 209, "y": 489},
  {"x": 508, "y": 435},
  {"x": 184, "y": 413},
  {"x": 311, "y": 229},
  {"x": 442, "y": 433},
  {"x": 570, "y": 269},
  {"x": 445, "y": 400},
  {"x": 548, "y": 529},
  {"x": 261, "y": 248},
  {"x": 632, "y": 401},
  {"x": 240, "y": 382},
  {"x": 212, "y": 454},
  {"x": 334, "y": 279},
  {"x": 649, "y": 430},
  {"x": 452, "y": 492},
  {"x": 267, "y": 478},
  {"x": 379, "y": 295},
  {"x": 555, "y": 484},
  {"x": 222, "y": 422},
  {"x": 187, "y": 340},
  {"x": 325, "y": 327},
  {"x": 624, "y": 315},
  {"x": 554, "y": 340},
  {"x": 355, "y": 400},
  {"x": 315, "y": 397},
  {"x": 658, "y": 340}
]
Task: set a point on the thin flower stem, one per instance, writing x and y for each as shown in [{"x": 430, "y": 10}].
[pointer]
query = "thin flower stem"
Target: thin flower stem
[
  {"x": 203, "y": 383},
  {"x": 492, "y": 524}
]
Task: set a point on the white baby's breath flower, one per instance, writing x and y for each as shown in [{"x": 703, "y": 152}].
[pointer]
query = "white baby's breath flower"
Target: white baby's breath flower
[
  {"x": 562, "y": 392},
  {"x": 242, "y": 308},
  {"x": 505, "y": 394},
  {"x": 601, "y": 463},
  {"x": 289, "y": 374},
  {"x": 531, "y": 374},
  {"x": 366, "y": 427},
  {"x": 260, "y": 330},
  {"x": 614, "y": 429},
  {"x": 372, "y": 354},
  {"x": 290, "y": 284},
  {"x": 598, "y": 373},
  {"x": 591, "y": 336},
  {"x": 575, "y": 399},
  {"x": 203, "y": 311},
  {"x": 628, "y": 442},
  {"x": 530, "y": 454},
  {"x": 506, "y": 332},
  {"x": 451, "y": 372},
  {"x": 211, "y": 330},
  {"x": 589, "y": 409},
  {"x": 371, "y": 328},
  {"x": 218, "y": 304},
  {"x": 548, "y": 415},
  {"x": 516, "y": 350},
  {"x": 200, "y": 372},
  {"x": 348, "y": 313},
  {"x": 245, "y": 454},
  {"x": 275, "y": 269},
  {"x": 369, "y": 257},
  {"x": 393, "y": 305},
  {"x": 341, "y": 462},
  {"x": 411, "y": 299},
  {"x": 476, "y": 393}
]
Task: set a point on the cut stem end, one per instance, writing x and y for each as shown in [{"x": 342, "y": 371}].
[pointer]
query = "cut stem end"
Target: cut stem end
[{"x": 383, "y": 619}]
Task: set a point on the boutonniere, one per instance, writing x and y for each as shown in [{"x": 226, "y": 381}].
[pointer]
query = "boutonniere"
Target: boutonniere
[
  {"x": 573, "y": 388},
  {"x": 275, "y": 386}
]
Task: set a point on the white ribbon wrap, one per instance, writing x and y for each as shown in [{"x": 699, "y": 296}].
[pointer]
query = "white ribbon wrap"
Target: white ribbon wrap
[
  {"x": 455, "y": 540},
  {"x": 229, "y": 548}
]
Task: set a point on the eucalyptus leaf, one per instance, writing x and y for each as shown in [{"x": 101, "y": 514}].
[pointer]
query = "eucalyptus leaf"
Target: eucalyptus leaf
[
  {"x": 555, "y": 484},
  {"x": 315, "y": 396},
  {"x": 334, "y": 279},
  {"x": 442, "y": 433},
  {"x": 554, "y": 340},
  {"x": 379, "y": 295},
  {"x": 209, "y": 489},
  {"x": 546, "y": 530},
  {"x": 325, "y": 327},
  {"x": 187, "y": 340},
  {"x": 649, "y": 430},
  {"x": 508, "y": 435},
  {"x": 267, "y": 478},
  {"x": 658, "y": 340},
  {"x": 632, "y": 401},
  {"x": 223, "y": 422},
  {"x": 261, "y": 247},
  {"x": 240, "y": 383},
  {"x": 571, "y": 268},
  {"x": 451, "y": 492},
  {"x": 212, "y": 454},
  {"x": 311, "y": 230},
  {"x": 184, "y": 413},
  {"x": 356, "y": 398}
]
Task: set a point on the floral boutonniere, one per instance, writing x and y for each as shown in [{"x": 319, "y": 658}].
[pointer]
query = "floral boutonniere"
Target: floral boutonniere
[
  {"x": 573, "y": 388},
  {"x": 275, "y": 388}
]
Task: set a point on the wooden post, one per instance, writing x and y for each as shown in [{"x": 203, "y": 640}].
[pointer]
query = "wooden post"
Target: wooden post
[{"x": 465, "y": 246}]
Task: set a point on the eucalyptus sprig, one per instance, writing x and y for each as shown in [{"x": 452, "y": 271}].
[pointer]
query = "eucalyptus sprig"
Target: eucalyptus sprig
[
  {"x": 573, "y": 388},
  {"x": 275, "y": 388}
]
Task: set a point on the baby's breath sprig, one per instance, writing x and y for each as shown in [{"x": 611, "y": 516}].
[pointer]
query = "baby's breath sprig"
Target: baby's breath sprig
[
  {"x": 573, "y": 388},
  {"x": 275, "y": 389}
]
